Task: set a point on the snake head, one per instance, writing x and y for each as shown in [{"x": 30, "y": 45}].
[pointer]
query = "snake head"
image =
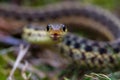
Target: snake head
[{"x": 56, "y": 31}]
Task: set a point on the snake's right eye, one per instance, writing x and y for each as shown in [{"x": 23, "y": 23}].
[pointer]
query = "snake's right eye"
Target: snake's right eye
[{"x": 48, "y": 27}]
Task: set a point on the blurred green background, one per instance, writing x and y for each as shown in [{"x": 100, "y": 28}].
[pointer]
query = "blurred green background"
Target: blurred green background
[{"x": 109, "y": 4}]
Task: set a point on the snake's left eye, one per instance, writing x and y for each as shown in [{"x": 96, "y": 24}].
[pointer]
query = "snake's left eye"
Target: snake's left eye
[
  {"x": 64, "y": 28},
  {"x": 48, "y": 27}
]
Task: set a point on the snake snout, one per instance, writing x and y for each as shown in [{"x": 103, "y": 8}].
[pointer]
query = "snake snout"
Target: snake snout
[{"x": 55, "y": 36}]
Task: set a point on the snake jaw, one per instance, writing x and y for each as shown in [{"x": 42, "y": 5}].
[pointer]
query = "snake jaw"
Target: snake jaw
[{"x": 55, "y": 36}]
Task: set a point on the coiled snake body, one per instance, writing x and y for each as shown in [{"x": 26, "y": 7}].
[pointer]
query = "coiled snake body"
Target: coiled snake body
[{"x": 84, "y": 51}]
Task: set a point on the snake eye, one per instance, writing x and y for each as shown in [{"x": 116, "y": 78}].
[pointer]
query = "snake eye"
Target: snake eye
[
  {"x": 48, "y": 27},
  {"x": 64, "y": 28}
]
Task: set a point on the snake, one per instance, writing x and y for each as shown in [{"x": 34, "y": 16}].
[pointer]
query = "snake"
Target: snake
[{"x": 83, "y": 51}]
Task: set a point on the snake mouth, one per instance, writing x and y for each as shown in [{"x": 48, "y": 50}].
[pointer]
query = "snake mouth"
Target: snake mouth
[{"x": 55, "y": 36}]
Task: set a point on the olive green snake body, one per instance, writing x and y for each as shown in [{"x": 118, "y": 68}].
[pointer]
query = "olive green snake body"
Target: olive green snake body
[{"x": 83, "y": 51}]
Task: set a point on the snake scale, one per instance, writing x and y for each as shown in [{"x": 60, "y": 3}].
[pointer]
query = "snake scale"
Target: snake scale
[{"x": 85, "y": 52}]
